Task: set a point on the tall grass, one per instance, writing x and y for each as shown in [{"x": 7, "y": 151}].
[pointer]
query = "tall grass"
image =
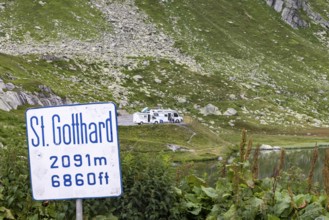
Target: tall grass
[
  {"x": 325, "y": 172},
  {"x": 311, "y": 172},
  {"x": 255, "y": 163}
]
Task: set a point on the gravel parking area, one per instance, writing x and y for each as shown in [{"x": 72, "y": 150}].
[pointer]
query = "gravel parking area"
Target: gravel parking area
[{"x": 125, "y": 120}]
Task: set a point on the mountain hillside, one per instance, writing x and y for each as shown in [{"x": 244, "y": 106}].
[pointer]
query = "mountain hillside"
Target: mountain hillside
[{"x": 258, "y": 64}]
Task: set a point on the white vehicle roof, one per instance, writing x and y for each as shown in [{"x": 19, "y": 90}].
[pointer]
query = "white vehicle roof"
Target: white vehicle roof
[{"x": 159, "y": 110}]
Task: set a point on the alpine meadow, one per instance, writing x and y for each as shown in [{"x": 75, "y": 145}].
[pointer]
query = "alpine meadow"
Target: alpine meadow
[{"x": 245, "y": 75}]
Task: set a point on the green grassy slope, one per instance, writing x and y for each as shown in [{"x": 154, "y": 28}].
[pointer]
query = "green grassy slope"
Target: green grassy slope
[
  {"x": 51, "y": 20},
  {"x": 251, "y": 59},
  {"x": 74, "y": 79},
  {"x": 193, "y": 142},
  {"x": 248, "y": 51},
  {"x": 251, "y": 52}
]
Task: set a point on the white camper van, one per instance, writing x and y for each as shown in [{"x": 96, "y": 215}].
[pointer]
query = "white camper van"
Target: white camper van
[
  {"x": 141, "y": 118},
  {"x": 157, "y": 116}
]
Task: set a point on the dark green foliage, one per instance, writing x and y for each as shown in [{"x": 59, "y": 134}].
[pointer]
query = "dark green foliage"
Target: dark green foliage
[
  {"x": 239, "y": 195},
  {"x": 148, "y": 192},
  {"x": 151, "y": 192},
  {"x": 253, "y": 200},
  {"x": 148, "y": 189},
  {"x": 15, "y": 192},
  {"x": 248, "y": 52}
]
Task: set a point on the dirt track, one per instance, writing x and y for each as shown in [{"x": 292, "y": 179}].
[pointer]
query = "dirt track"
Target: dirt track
[{"x": 321, "y": 132}]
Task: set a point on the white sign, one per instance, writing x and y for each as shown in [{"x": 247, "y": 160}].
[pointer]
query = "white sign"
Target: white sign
[{"x": 74, "y": 151}]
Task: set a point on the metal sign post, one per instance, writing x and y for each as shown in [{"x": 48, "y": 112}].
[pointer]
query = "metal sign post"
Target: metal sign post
[
  {"x": 74, "y": 152},
  {"x": 79, "y": 209}
]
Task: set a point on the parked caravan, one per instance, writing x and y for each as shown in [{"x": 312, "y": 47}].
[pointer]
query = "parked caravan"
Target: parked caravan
[
  {"x": 157, "y": 116},
  {"x": 141, "y": 118},
  {"x": 166, "y": 116}
]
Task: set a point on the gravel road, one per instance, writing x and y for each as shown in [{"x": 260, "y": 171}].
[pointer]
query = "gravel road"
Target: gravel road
[{"x": 125, "y": 120}]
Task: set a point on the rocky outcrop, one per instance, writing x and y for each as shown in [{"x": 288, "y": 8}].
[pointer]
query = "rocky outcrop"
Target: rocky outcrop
[
  {"x": 132, "y": 36},
  {"x": 11, "y": 97},
  {"x": 230, "y": 112},
  {"x": 209, "y": 109},
  {"x": 291, "y": 12}
]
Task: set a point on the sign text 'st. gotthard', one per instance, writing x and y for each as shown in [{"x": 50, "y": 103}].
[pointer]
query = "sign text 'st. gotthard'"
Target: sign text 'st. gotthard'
[{"x": 74, "y": 133}]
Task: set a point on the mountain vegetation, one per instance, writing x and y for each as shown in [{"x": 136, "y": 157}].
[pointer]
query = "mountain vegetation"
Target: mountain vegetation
[
  {"x": 185, "y": 55},
  {"x": 225, "y": 65}
]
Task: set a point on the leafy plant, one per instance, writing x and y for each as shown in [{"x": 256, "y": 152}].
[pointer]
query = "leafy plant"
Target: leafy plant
[
  {"x": 148, "y": 191},
  {"x": 239, "y": 195}
]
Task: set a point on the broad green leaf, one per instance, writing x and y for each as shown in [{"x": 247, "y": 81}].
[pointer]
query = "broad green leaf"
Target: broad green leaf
[
  {"x": 322, "y": 217},
  {"x": 248, "y": 178},
  {"x": 250, "y": 183},
  {"x": 196, "y": 211},
  {"x": 283, "y": 202},
  {"x": 195, "y": 181},
  {"x": 256, "y": 202},
  {"x": 231, "y": 213},
  {"x": 9, "y": 215},
  {"x": 191, "y": 197},
  {"x": 301, "y": 200},
  {"x": 226, "y": 195},
  {"x": 34, "y": 217},
  {"x": 311, "y": 211},
  {"x": 272, "y": 217},
  {"x": 178, "y": 191},
  {"x": 281, "y": 207},
  {"x": 10, "y": 200},
  {"x": 212, "y": 217},
  {"x": 322, "y": 199},
  {"x": 101, "y": 217},
  {"x": 215, "y": 208},
  {"x": 193, "y": 208},
  {"x": 190, "y": 205},
  {"x": 6, "y": 213},
  {"x": 211, "y": 192}
]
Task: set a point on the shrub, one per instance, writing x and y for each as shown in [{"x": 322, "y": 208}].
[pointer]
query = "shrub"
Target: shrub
[{"x": 148, "y": 190}]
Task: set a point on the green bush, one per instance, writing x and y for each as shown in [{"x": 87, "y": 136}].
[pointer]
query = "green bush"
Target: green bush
[
  {"x": 239, "y": 194},
  {"x": 148, "y": 189},
  {"x": 150, "y": 192}
]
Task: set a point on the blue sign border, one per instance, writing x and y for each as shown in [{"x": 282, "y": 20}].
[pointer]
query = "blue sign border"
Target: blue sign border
[{"x": 119, "y": 159}]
